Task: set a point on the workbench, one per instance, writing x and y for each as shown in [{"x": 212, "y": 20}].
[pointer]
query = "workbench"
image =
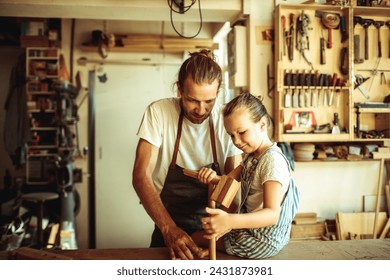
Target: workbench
[{"x": 375, "y": 249}]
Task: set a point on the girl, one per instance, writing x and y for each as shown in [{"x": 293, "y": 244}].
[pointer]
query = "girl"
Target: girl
[{"x": 269, "y": 197}]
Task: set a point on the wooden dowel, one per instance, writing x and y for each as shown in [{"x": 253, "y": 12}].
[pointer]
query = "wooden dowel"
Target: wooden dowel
[
  {"x": 194, "y": 174},
  {"x": 378, "y": 196}
]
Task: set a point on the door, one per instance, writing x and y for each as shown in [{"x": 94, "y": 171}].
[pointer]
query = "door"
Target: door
[{"x": 121, "y": 221}]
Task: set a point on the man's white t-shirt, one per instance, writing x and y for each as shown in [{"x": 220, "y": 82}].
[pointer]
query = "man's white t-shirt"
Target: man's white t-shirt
[{"x": 159, "y": 127}]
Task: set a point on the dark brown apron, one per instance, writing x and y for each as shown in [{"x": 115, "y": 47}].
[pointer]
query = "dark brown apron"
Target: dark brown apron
[{"x": 184, "y": 198}]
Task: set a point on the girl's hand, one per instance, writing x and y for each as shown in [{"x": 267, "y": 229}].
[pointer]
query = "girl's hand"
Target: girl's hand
[
  {"x": 206, "y": 175},
  {"x": 217, "y": 224}
]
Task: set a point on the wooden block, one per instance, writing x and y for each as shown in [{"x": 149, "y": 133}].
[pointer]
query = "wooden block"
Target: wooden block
[
  {"x": 307, "y": 231},
  {"x": 305, "y": 218},
  {"x": 225, "y": 191}
]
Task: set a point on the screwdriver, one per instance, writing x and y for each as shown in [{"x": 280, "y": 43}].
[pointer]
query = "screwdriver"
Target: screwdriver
[
  {"x": 287, "y": 96},
  {"x": 313, "y": 83}
]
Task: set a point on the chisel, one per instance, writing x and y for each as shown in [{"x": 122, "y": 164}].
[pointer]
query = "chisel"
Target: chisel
[
  {"x": 322, "y": 51},
  {"x": 313, "y": 84},
  {"x": 294, "y": 81},
  {"x": 291, "y": 38},
  {"x": 332, "y": 83},
  {"x": 301, "y": 96},
  {"x": 307, "y": 86},
  {"x": 287, "y": 96}
]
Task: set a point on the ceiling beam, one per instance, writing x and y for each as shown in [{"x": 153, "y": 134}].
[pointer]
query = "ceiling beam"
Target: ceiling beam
[{"x": 140, "y": 10}]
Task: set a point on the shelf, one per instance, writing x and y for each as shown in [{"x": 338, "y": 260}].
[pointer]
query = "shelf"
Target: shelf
[
  {"x": 295, "y": 73},
  {"x": 39, "y": 147},
  {"x": 41, "y": 93},
  {"x": 41, "y": 111},
  {"x": 374, "y": 110},
  {"x": 43, "y": 128},
  {"x": 314, "y": 137}
]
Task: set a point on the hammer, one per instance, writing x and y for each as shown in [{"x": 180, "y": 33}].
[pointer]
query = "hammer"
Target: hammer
[
  {"x": 366, "y": 24},
  {"x": 223, "y": 193},
  {"x": 378, "y": 25}
]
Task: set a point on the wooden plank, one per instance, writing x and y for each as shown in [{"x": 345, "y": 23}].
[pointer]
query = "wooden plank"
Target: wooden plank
[
  {"x": 385, "y": 229},
  {"x": 358, "y": 223},
  {"x": 378, "y": 193},
  {"x": 387, "y": 190},
  {"x": 369, "y": 203},
  {"x": 378, "y": 155}
]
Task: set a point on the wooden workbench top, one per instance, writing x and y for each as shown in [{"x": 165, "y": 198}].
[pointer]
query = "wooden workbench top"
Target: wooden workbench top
[{"x": 306, "y": 250}]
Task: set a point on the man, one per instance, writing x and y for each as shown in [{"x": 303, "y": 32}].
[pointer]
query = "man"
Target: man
[{"x": 176, "y": 133}]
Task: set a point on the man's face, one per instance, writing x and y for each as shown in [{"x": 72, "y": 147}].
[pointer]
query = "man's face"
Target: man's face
[{"x": 198, "y": 100}]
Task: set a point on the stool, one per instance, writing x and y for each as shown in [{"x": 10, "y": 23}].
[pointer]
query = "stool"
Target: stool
[{"x": 39, "y": 198}]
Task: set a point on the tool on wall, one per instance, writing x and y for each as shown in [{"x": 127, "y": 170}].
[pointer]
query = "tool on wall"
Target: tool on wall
[
  {"x": 294, "y": 84},
  {"x": 313, "y": 83},
  {"x": 366, "y": 24},
  {"x": 358, "y": 80},
  {"x": 329, "y": 21},
  {"x": 291, "y": 38},
  {"x": 332, "y": 84},
  {"x": 326, "y": 90},
  {"x": 322, "y": 51},
  {"x": 307, "y": 85},
  {"x": 356, "y": 49},
  {"x": 336, "y": 126},
  {"x": 338, "y": 91},
  {"x": 321, "y": 84},
  {"x": 283, "y": 19},
  {"x": 344, "y": 61},
  {"x": 287, "y": 96},
  {"x": 301, "y": 96},
  {"x": 378, "y": 25},
  {"x": 302, "y": 40},
  {"x": 343, "y": 29}
]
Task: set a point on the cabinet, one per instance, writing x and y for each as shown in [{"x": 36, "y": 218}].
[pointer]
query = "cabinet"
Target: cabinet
[
  {"x": 42, "y": 69},
  {"x": 321, "y": 51}
]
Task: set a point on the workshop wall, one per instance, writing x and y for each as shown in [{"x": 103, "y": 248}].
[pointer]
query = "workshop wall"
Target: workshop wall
[{"x": 326, "y": 187}]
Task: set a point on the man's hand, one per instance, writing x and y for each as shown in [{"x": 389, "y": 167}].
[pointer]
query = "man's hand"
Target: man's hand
[{"x": 180, "y": 245}]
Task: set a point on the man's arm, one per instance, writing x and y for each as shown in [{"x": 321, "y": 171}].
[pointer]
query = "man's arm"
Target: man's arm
[{"x": 179, "y": 243}]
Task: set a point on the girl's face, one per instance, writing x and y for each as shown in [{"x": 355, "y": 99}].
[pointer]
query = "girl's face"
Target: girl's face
[{"x": 246, "y": 134}]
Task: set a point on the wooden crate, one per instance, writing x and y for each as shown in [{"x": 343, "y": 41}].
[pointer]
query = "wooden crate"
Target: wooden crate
[{"x": 307, "y": 231}]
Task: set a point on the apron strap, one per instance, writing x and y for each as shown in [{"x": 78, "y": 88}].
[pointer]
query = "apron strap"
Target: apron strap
[
  {"x": 177, "y": 142},
  {"x": 213, "y": 146},
  {"x": 176, "y": 149}
]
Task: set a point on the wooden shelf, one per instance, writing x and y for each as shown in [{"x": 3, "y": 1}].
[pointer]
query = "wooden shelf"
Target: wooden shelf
[{"x": 301, "y": 70}]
